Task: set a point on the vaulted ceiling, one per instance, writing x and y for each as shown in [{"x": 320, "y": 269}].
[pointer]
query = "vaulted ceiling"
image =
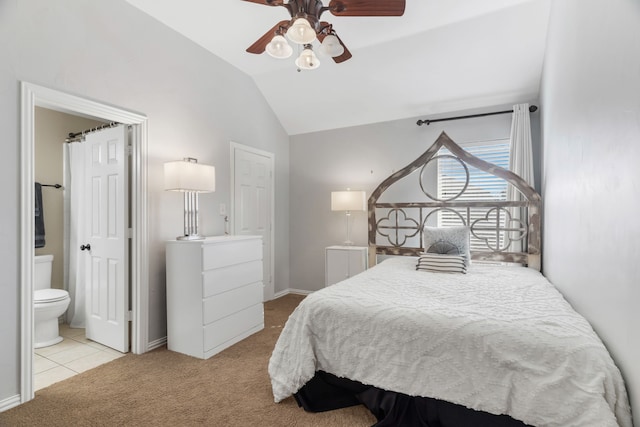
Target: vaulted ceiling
[{"x": 442, "y": 56}]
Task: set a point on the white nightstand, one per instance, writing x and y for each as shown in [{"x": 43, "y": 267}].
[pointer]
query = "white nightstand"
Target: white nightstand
[{"x": 342, "y": 262}]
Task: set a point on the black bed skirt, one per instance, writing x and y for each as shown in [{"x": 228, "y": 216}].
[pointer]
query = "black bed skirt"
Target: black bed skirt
[{"x": 325, "y": 392}]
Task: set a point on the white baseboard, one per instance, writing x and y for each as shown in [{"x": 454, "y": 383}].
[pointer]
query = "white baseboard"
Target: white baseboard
[
  {"x": 9, "y": 402},
  {"x": 157, "y": 343},
  {"x": 300, "y": 291},
  {"x": 292, "y": 291}
]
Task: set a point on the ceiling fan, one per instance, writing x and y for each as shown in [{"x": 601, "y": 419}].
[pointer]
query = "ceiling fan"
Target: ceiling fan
[{"x": 305, "y": 26}]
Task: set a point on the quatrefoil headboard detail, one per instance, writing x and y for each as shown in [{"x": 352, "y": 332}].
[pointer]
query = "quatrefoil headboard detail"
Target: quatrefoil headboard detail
[{"x": 395, "y": 228}]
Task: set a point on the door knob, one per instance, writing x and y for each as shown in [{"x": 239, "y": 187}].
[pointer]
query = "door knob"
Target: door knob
[{"x": 86, "y": 247}]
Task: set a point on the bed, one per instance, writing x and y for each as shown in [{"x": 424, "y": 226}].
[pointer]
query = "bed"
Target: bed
[{"x": 492, "y": 345}]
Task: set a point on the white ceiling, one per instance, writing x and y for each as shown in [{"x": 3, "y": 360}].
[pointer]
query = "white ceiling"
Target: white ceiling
[{"x": 442, "y": 56}]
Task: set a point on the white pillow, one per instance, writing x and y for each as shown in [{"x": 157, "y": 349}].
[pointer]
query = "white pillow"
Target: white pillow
[{"x": 441, "y": 239}]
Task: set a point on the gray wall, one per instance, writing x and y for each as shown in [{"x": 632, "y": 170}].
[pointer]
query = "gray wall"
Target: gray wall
[
  {"x": 360, "y": 158},
  {"x": 591, "y": 180},
  {"x": 195, "y": 102}
]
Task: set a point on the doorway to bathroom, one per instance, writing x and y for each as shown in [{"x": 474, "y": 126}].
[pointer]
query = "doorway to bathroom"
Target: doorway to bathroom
[
  {"x": 89, "y": 210},
  {"x": 34, "y": 97}
]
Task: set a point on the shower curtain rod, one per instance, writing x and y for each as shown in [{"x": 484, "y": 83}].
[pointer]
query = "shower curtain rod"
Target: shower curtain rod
[
  {"x": 79, "y": 135},
  {"x": 428, "y": 122}
]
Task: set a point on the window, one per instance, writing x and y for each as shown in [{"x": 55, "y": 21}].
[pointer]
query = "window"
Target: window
[{"x": 481, "y": 186}]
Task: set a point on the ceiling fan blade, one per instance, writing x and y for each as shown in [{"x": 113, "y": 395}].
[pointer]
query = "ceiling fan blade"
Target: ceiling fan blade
[
  {"x": 267, "y": 2},
  {"x": 367, "y": 7},
  {"x": 261, "y": 44}
]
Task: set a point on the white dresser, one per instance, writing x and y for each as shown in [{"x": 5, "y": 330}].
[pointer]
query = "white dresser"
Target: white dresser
[
  {"x": 342, "y": 262},
  {"x": 214, "y": 293}
]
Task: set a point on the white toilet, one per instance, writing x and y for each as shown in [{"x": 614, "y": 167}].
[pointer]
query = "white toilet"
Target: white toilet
[{"x": 49, "y": 304}]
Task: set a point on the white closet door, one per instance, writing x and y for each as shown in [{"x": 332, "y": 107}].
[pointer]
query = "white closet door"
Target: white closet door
[
  {"x": 106, "y": 210},
  {"x": 253, "y": 176}
]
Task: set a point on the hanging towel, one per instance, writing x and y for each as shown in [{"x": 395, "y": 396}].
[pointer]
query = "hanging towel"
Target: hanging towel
[{"x": 39, "y": 216}]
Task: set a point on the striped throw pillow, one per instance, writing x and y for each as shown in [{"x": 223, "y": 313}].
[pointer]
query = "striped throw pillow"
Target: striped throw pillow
[{"x": 441, "y": 263}]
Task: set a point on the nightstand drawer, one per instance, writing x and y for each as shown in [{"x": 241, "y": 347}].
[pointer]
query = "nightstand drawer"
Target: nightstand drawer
[
  {"x": 229, "y": 327},
  {"x": 227, "y": 303},
  {"x": 226, "y": 278}
]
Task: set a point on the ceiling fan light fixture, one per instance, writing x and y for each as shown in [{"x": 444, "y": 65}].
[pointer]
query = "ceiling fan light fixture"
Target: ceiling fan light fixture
[
  {"x": 279, "y": 48},
  {"x": 307, "y": 60},
  {"x": 301, "y": 32},
  {"x": 304, "y": 26},
  {"x": 331, "y": 46}
]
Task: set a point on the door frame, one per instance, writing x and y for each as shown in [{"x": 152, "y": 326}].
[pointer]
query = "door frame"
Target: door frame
[
  {"x": 38, "y": 96},
  {"x": 232, "y": 150}
]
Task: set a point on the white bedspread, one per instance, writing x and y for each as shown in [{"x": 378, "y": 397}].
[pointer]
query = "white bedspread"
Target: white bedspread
[{"x": 498, "y": 339}]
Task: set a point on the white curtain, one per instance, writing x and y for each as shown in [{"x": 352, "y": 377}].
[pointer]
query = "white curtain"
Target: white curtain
[
  {"x": 74, "y": 234},
  {"x": 521, "y": 163}
]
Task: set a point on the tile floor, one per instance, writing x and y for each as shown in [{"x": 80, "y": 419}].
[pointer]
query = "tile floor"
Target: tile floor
[{"x": 75, "y": 354}]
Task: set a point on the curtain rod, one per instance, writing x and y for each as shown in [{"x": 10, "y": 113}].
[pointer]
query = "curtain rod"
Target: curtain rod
[
  {"x": 73, "y": 136},
  {"x": 428, "y": 122}
]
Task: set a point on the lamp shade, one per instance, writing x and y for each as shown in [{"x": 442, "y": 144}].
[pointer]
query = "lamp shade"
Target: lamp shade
[
  {"x": 301, "y": 32},
  {"x": 307, "y": 60},
  {"x": 188, "y": 175},
  {"x": 331, "y": 46},
  {"x": 348, "y": 201},
  {"x": 279, "y": 48}
]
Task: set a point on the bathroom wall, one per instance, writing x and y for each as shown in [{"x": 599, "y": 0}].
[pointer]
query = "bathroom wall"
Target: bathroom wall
[{"x": 51, "y": 129}]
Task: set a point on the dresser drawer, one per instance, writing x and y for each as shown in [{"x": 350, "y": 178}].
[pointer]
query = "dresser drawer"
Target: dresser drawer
[
  {"x": 227, "y": 303},
  {"x": 226, "y": 278},
  {"x": 236, "y": 252},
  {"x": 228, "y": 328}
]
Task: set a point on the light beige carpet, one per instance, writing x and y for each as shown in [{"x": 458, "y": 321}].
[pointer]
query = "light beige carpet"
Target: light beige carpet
[{"x": 163, "y": 388}]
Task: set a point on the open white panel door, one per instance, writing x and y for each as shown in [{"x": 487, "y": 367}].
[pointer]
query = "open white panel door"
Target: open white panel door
[
  {"x": 106, "y": 216},
  {"x": 253, "y": 194}
]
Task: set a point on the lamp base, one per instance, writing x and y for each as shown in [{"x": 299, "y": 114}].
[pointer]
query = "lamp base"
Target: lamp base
[{"x": 191, "y": 237}]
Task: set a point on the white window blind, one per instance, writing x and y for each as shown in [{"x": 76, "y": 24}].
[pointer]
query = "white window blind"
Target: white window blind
[{"x": 481, "y": 186}]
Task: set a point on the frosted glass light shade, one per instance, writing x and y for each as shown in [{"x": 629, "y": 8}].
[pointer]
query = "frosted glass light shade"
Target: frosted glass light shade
[
  {"x": 279, "y": 48},
  {"x": 307, "y": 60},
  {"x": 348, "y": 201},
  {"x": 301, "y": 32},
  {"x": 331, "y": 46},
  {"x": 183, "y": 175}
]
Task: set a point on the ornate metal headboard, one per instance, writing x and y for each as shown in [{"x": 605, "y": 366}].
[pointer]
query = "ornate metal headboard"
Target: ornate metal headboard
[{"x": 396, "y": 228}]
